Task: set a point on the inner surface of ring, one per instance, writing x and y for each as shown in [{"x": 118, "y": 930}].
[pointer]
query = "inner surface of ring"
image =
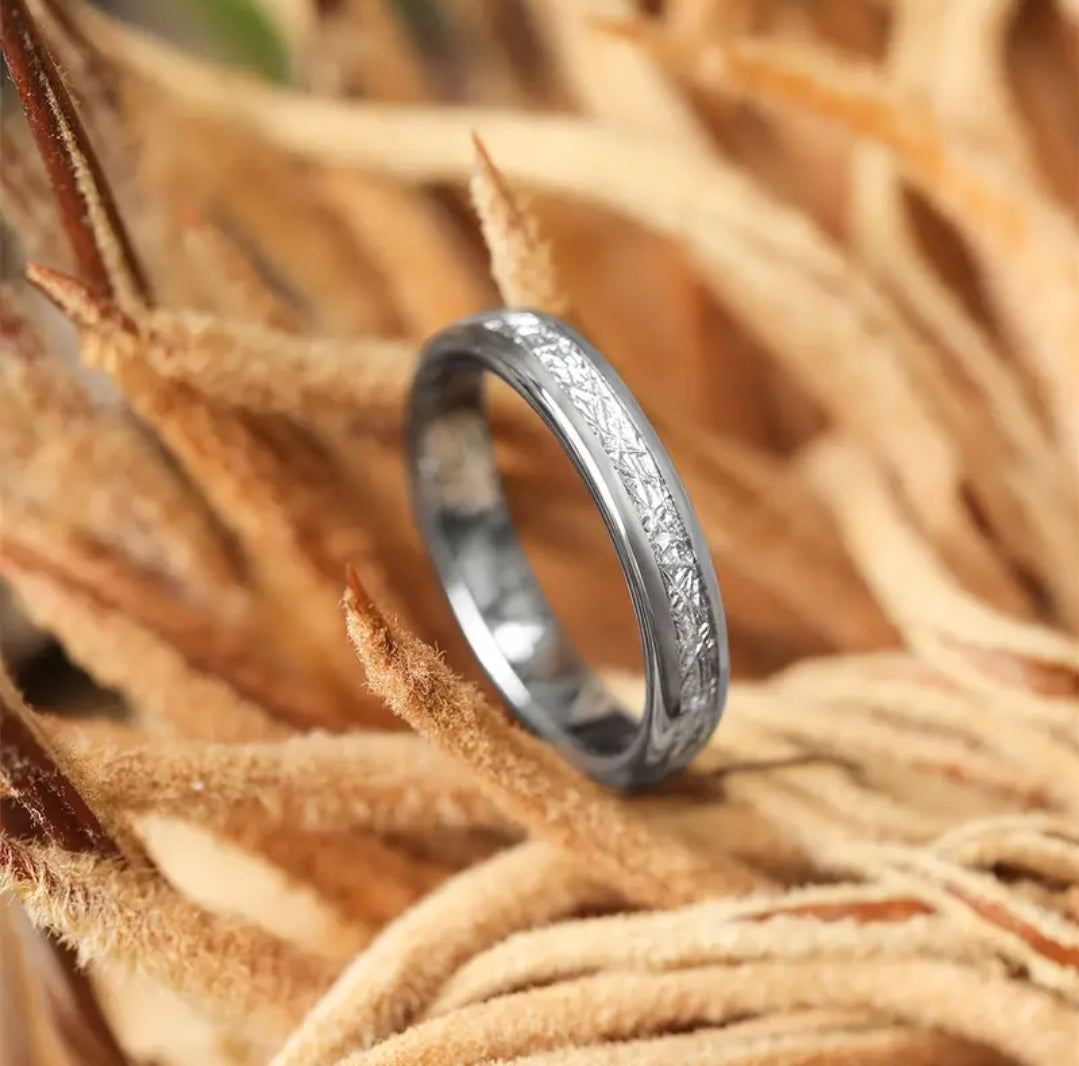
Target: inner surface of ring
[{"x": 491, "y": 586}]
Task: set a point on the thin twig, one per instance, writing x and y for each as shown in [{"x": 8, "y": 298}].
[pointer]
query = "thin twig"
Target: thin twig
[
  {"x": 89, "y": 214},
  {"x": 38, "y": 802}
]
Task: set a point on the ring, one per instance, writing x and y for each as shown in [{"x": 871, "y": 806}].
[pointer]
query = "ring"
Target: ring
[{"x": 463, "y": 514}]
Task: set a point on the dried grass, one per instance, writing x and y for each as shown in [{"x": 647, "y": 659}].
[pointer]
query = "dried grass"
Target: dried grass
[{"x": 830, "y": 250}]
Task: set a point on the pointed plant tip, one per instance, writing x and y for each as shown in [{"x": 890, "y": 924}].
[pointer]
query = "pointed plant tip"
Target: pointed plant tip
[
  {"x": 485, "y": 173},
  {"x": 88, "y": 212},
  {"x": 77, "y": 300},
  {"x": 40, "y": 803},
  {"x": 361, "y": 608},
  {"x": 68, "y": 293},
  {"x": 356, "y": 595},
  {"x": 483, "y": 157}
]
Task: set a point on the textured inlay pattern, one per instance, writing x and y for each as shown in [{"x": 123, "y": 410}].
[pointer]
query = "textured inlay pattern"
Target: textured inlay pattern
[{"x": 629, "y": 453}]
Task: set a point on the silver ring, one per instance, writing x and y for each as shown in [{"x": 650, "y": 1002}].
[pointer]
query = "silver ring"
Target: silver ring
[{"x": 462, "y": 512}]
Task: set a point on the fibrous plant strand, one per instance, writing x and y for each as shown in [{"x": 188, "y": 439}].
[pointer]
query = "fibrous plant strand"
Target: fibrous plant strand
[
  {"x": 876, "y": 859},
  {"x": 526, "y": 777},
  {"x": 91, "y": 219},
  {"x": 38, "y": 802}
]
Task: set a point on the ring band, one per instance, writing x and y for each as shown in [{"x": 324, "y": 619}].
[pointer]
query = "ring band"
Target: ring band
[{"x": 463, "y": 514}]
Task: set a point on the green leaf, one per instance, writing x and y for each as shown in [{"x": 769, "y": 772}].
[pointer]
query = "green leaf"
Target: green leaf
[{"x": 244, "y": 34}]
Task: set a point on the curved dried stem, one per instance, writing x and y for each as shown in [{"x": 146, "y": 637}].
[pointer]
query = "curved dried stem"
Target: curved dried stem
[
  {"x": 51, "y": 1013},
  {"x": 39, "y": 800},
  {"x": 954, "y": 999},
  {"x": 263, "y": 370},
  {"x": 940, "y": 732},
  {"x": 269, "y": 480},
  {"x": 1029, "y": 245},
  {"x": 386, "y": 986},
  {"x": 741, "y": 1044},
  {"x": 914, "y": 587},
  {"x": 753, "y": 252},
  {"x": 382, "y": 782},
  {"x": 1030, "y": 935},
  {"x": 432, "y": 276},
  {"x": 1018, "y": 844},
  {"x": 606, "y": 78},
  {"x": 90, "y": 217},
  {"x": 242, "y": 975},
  {"x": 696, "y": 936},
  {"x": 172, "y": 688},
  {"x": 525, "y": 777}
]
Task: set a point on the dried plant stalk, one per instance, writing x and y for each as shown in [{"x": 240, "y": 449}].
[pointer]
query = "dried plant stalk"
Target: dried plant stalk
[
  {"x": 732, "y": 1047},
  {"x": 88, "y": 882},
  {"x": 520, "y": 257},
  {"x": 52, "y": 1015},
  {"x": 430, "y": 273},
  {"x": 264, "y": 982},
  {"x": 89, "y": 467},
  {"x": 523, "y": 775},
  {"x": 387, "y": 783},
  {"x": 623, "y": 173},
  {"x": 93, "y": 226},
  {"x": 607, "y": 80},
  {"x": 1033, "y": 246},
  {"x": 863, "y": 383},
  {"x": 389, "y": 983},
  {"x": 261, "y": 370},
  {"x": 682, "y": 939},
  {"x": 934, "y": 601},
  {"x": 568, "y": 1013},
  {"x": 231, "y": 283}
]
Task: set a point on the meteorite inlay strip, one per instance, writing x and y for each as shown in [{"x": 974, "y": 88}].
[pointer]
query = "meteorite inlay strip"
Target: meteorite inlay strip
[{"x": 614, "y": 428}]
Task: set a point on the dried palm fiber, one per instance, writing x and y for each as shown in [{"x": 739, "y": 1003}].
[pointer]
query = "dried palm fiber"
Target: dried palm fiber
[
  {"x": 877, "y": 858},
  {"x": 573, "y": 157}
]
